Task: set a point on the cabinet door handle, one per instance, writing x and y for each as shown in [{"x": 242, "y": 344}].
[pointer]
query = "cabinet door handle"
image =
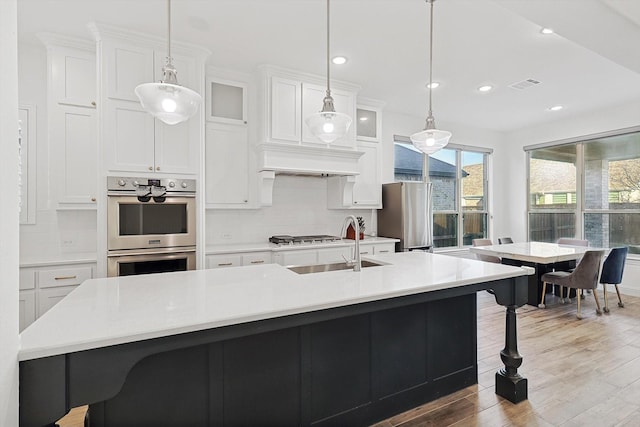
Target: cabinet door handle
[
  {"x": 258, "y": 261},
  {"x": 384, "y": 252},
  {"x": 150, "y": 168},
  {"x": 65, "y": 277},
  {"x": 93, "y": 103},
  {"x": 224, "y": 264},
  {"x": 158, "y": 168},
  {"x": 364, "y": 253},
  {"x": 93, "y": 199}
]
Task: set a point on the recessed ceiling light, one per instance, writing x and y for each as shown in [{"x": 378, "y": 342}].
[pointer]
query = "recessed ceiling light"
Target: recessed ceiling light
[
  {"x": 556, "y": 108},
  {"x": 339, "y": 60},
  {"x": 546, "y": 31},
  {"x": 485, "y": 88},
  {"x": 364, "y": 119},
  {"x": 432, "y": 85}
]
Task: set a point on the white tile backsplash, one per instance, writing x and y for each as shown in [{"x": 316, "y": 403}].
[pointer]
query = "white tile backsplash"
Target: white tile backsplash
[{"x": 299, "y": 208}]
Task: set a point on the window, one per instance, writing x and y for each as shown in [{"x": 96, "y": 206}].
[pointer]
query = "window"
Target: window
[
  {"x": 552, "y": 193},
  {"x": 459, "y": 182},
  {"x": 604, "y": 207}
]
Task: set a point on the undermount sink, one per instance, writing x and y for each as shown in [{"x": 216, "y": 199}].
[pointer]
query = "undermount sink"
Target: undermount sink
[{"x": 319, "y": 268}]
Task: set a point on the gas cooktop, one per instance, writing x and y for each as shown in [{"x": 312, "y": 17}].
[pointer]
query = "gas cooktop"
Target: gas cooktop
[{"x": 292, "y": 240}]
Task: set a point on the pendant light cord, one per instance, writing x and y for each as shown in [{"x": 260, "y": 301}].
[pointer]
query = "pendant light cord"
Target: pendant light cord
[
  {"x": 430, "y": 54},
  {"x": 169, "y": 30},
  {"x": 328, "y": 54}
]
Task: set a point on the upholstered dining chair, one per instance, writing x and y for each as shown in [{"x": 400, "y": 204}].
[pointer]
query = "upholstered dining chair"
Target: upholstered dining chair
[
  {"x": 585, "y": 276},
  {"x": 504, "y": 240},
  {"x": 612, "y": 270},
  {"x": 486, "y": 258}
]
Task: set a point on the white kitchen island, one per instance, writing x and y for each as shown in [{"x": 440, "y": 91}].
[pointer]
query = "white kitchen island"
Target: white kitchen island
[{"x": 262, "y": 344}]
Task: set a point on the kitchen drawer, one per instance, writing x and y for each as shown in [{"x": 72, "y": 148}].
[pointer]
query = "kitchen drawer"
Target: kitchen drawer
[
  {"x": 47, "y": 298},
  {"x": 384, "y": 248},
  {"x": 367, "y": 249},
  {"x": 254, "y": 258},
  {"x": 64, "y": 276},
  {"x": 222, "y": 261},
  {"x": 27, "y": 278}
]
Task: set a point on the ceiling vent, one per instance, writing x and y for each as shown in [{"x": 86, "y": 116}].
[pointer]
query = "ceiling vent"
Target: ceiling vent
[{"x": 525, "y": 84}]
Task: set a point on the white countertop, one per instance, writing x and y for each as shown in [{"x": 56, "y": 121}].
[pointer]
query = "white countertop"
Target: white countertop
[
  {"x": 117, "y": 310},
  {"x": 266, "y": 246},
  {"x": 539, "y": 252},
  {"x": 38, "y": 260}
]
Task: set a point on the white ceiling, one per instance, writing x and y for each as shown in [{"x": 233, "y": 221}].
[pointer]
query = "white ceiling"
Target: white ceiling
[{"x": 592, "y": 61}]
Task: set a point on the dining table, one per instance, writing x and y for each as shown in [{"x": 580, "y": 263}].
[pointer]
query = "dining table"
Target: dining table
[{"x": 542, "y": 256}]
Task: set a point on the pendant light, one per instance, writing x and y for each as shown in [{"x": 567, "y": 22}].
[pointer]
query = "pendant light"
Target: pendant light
[
  {"x": 430, "y": 139},
  {"x": 328, "y": 125},
  {"x": 166, "y": 100}
]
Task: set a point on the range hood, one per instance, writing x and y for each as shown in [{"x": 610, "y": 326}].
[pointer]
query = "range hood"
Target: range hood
[{"x": 290, "y": 159}]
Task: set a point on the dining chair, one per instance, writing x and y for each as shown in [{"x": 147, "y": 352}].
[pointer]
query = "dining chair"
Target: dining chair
[
  {"x": 486, "y": 258},
  {"x": 585, "y": 276},
  {"x": 504, "y": 240},
  {"x": 612, "y": 270}
]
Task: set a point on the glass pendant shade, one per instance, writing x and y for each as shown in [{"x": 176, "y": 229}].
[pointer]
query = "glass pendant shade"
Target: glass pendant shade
[
  {"x": 167, "y": 100},
  {"x": 430, "y": 140},
  {"x": 170, "y": 103},
  {"x": 328, "y": 125}
]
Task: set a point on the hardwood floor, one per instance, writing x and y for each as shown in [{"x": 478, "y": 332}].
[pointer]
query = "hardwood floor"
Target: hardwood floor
[{"x": 580, "y": 372}]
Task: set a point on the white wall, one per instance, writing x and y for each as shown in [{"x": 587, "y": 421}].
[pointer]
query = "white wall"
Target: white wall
[
  {"x": 9, "y": 341},
  {"x": 55, "y": 232},
  {"x": 299, "y": 208},
  {"x": 607, "y": 119}
]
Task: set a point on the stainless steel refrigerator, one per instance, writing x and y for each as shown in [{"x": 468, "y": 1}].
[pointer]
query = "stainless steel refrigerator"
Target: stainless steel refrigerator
[{"x": 406, "y": 214}]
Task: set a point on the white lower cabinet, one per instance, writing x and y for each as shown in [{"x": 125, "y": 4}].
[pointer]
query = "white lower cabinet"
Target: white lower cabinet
[
  {"x": 49, "y": 297},
  {"x": 377, "y": 248},
  {"x": 27, "y": 308},
  {"x": 296, "y": 257},
  {"x": 238, "y": 259},
  {"x": 43, "y": 287},
  {"x": 224, "y": 260},
  {"x": 332, "y": 255}
]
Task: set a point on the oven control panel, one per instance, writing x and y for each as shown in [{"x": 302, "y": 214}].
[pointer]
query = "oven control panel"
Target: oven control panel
[{"x": 131, "y": 184}]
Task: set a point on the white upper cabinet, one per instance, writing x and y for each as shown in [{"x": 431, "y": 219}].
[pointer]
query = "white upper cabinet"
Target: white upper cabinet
[
  {"x": 133, "y": 140},
  {"x": 226, "y": 166},
  {"x": 128, "y": 66},
  {"x": 367, "y": 189},
  {"x": 229, "y": 171},
  {"x": 312, "y": 102},
  {"x": 290, "y": 97},
  {"x": 74, "y": 73},
  {"x": 226, "y": 101},
  {"x": 72, "y": 125},
  {"x": 286, "y": 110}
]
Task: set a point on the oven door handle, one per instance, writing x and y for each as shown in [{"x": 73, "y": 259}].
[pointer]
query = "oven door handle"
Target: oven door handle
[{"x": 159, "y": 251}]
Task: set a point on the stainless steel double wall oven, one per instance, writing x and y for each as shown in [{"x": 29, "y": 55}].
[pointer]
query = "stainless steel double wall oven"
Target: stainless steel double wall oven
[{"x": 151, "y": 225}]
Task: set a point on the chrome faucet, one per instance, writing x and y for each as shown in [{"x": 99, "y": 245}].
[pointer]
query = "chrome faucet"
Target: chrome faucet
[{"x": 351, "y": 219}]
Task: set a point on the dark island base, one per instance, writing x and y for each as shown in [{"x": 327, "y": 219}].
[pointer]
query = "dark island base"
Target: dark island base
[
  {"x": 347, "y": 371},
  {"x": 351, "y": 365}
]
